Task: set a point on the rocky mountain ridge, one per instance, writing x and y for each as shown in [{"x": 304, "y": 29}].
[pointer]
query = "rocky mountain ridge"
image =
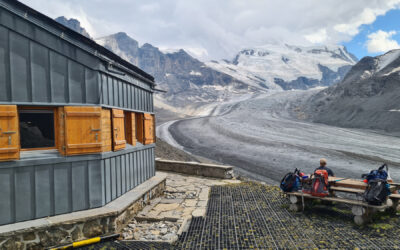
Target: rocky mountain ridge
[
  {"x": 73, "y": 24},
  {"x": 189, "y": 82},
  {"x": 368, "y": 97}
]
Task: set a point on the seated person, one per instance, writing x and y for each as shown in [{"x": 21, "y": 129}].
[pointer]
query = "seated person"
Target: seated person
[{"x": 322, "y": 166}]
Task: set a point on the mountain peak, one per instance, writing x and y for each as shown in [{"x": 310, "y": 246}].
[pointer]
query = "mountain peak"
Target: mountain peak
[
  {"x": 73, "y": 24},
  {"x": 121, "y": 44},
  {"x": 121, "y": 35},
  {"x": 289, "y": 66}
]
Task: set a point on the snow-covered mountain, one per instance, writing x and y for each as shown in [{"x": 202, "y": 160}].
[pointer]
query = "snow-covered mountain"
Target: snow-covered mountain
[
  {"x": 288, "y": 67},
  {"x": 189, "y": 82},
  {"x": 368, "y": 97}
]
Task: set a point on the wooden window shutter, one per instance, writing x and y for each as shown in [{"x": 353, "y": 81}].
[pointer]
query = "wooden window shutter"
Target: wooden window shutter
[
  {"x": 118, "y": 119},
  {"x": 140, "y": 127},
  {"x": 9, "y": 133},
  {"x": 82, "y": 130},
  {"x": 106, "y": 130},
  {"x": 149, "y": 129},
  {"x": 130, "y": 127}
]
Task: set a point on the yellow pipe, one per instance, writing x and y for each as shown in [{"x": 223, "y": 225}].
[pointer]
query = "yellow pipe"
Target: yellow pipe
[{"x": 86, "y": 242}]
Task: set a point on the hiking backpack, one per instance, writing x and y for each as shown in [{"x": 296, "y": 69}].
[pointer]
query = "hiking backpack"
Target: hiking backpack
[
  {"x": 378, "y": 188},
  {"x": 291, "y": 181},
  {"x": 320, "y": 184},
  {"x": 380, "y": 173},
  {"x": 376, "y": 192}
]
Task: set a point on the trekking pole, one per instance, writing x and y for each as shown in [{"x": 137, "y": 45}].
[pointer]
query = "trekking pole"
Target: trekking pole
[{"x": 341, "y": 180}]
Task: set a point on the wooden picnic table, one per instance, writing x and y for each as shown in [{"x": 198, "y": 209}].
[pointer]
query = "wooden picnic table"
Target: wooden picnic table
[
  {"x": 362, "y": 210},
  {"x": 355, "y": 184},
  {"x": 347, "y": 182}
]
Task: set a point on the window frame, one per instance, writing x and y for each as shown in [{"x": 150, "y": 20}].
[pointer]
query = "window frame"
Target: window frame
[{"x": 55, "y": 122}]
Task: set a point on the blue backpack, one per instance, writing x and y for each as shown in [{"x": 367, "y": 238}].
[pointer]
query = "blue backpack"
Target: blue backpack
[
  {"x": 291, "y": 181},
  {"x": 380, "y": 173}
]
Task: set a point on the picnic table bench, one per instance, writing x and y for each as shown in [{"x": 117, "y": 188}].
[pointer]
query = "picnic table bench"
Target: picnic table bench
[{"x": 361, "y": 210}]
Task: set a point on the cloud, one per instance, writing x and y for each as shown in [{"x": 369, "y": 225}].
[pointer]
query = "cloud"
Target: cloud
[
  {"x": 367, "y": 16},
  {"x": 381, "y": 41},
  {"x": 219, "y": 29},
  {"x": 318, "y": 37}
]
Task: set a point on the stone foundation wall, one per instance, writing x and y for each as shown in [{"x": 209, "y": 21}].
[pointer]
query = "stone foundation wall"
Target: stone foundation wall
[
  {"x": 195, "y": 168},
  {"x": 64, "y": 233}
]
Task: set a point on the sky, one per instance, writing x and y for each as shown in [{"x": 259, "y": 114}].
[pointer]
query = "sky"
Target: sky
[{"x": 219, "y": 29}]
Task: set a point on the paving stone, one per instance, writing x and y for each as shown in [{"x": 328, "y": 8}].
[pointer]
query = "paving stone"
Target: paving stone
[
  {"x": 190, "y": 203},
  {"x": 202, "y": 203},
  {"x": 165, "y": 207},
  {"x": 171, "y": 201},
  {"x": 171, "y": 214},
  {"x": 199, "y": 212},
  {"x": 187, "y": 211},
  {"x": 204, "y": 194},
  {"x": 231, "y": 181}
]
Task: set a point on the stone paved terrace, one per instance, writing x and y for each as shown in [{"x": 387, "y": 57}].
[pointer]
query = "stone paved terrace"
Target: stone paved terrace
[
  {"x": 250, "y": 215},
  {"x": 185, "y": 197}
]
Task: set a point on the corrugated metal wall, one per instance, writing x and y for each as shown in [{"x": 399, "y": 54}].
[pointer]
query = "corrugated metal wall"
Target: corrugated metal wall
[
  {"x": 39, "y": 68},
  {"x": 31, "y": 192},
  {"x": 124, "y": 172},
  {"x": 115, "y": 92}
]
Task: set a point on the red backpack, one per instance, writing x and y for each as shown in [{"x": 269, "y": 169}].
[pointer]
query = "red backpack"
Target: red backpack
[{"x": 320, "y": 184}]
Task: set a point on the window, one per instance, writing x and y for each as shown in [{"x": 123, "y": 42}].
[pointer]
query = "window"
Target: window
[{"x": 37, "y": 128}]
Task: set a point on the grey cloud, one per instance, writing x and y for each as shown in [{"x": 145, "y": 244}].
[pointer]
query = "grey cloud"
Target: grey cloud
[{"x": 220, "y": 27}]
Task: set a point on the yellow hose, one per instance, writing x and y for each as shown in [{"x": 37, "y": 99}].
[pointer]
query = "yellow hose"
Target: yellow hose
[{"x": 86, "y": 242}]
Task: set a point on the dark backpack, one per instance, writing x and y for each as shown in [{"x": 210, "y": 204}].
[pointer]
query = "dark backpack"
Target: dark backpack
[
  {"x": 376, "y": 192},
  {"x": 291, "y": 181},
  {"x": 378, "y": 174},
  {"x": 320, "y": 184}
]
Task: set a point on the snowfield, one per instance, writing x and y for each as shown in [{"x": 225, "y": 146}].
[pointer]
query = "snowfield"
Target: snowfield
[
  {"x": 260, "y": 66},
  {"x": 261, "y": 137}
]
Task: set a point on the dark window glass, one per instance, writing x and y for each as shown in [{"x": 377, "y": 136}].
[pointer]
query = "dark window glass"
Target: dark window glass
[{"x": 37, "y": 128}]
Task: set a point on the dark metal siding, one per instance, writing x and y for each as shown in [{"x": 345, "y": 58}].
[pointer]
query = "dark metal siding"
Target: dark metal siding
[
  {"x": 51, "y": 187},
  {"x": 118, "y": 93},
  {"x": 32, "y": 73},
  {"x": 39, "y": 68}
]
